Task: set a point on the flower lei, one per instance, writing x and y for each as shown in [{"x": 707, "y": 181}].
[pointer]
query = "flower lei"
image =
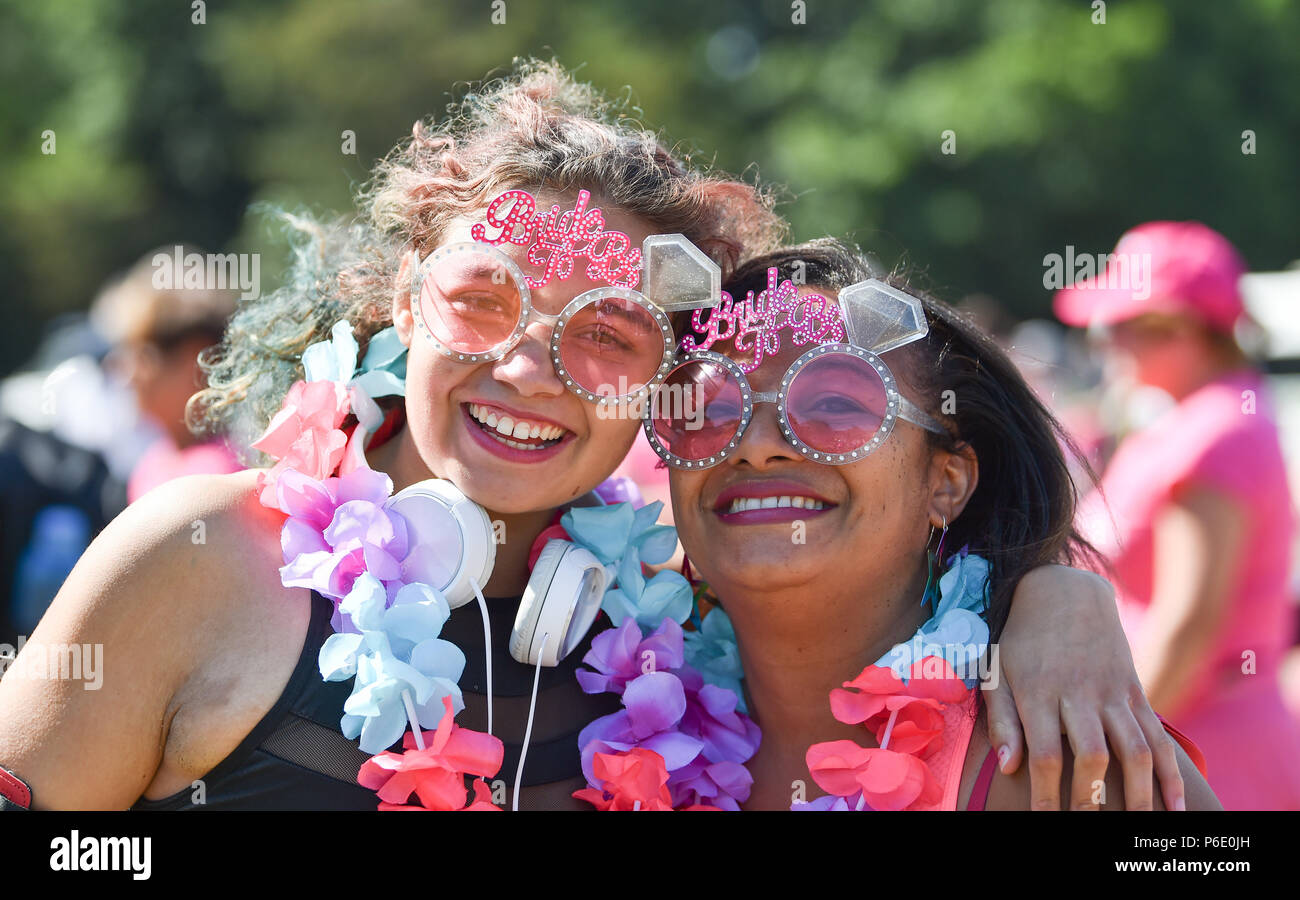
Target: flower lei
[
  {"x": 682, "y": 737},
  {"x": 678, "y": 742},
  {"x": 901, "y": 699}
]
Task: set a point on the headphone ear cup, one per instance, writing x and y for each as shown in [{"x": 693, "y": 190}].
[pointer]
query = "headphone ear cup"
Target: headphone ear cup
[
  {"x": 559, "y": 604},
  {"x": 449, "y": 539}
]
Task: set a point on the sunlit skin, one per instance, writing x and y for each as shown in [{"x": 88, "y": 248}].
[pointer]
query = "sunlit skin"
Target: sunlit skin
[
  {"x": 803, "y": 627},
  {"x": 437, "y": 439}
]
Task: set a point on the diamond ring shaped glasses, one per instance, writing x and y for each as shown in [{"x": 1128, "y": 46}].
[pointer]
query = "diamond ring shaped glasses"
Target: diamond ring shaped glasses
[
  {"x": 835, "y": 404},
  {"x": 608, "y": 345}
]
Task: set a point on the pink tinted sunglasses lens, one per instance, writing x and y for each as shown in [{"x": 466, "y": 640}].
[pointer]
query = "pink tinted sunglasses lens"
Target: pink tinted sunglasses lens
[
  {"x": 470, "y": 301},
  {"x": 612, "y": 347},
  {"x": 697, "y": 410},
  {"x": 836, "y": 403}
]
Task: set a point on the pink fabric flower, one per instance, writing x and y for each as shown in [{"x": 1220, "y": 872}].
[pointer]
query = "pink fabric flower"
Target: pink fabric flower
[
  {"x": 887, "y": 779},
  {"x": 337, "y": 529},
  {"x": 629, "y": 778},
  {"x": 305, "y": 434},
  {"x": 482, "y": 802},
  {"x": 435, "y": 774},
  {"x": 877, "y": 695}
]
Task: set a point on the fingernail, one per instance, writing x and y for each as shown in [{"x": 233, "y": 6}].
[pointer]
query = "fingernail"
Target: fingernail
[
  {"x": 1180, "y": 805},
  {"x": 1004, "y": 754}
]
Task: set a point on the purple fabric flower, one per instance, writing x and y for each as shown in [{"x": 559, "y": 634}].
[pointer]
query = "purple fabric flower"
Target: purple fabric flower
[
  {"x": 620, "y": 654},
  {"x": 620, "y": 489},
  {"x": 830, "y": 803},
  {"x": 304, "y": 498},
  {"x": 655, "y": 702},
  {"x": 694, "y": 726},
  {"x": 711, "y": 716},
  {"x": 725, "y": 784},
  {"x": 653, "y": 705},
  {"x": 337, "y": 529}
]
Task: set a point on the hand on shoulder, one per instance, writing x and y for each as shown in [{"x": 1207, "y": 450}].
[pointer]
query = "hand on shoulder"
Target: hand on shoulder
[{"x": 1013, "y": 792}]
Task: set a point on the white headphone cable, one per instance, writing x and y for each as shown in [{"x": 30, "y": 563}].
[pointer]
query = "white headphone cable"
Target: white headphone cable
[
  {"x": 414, "y": 719},
  {"x": 528, "y": 731},
  {"x": 487, "y": 647}
]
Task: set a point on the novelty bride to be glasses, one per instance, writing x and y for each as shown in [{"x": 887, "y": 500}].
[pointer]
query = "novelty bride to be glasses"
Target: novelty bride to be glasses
[
  {"x": 836, "y": 403},
  {"x": 610, "y": 344}
]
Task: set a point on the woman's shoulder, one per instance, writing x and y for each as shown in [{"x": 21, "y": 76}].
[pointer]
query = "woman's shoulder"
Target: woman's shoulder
[
  {"x": 204, "y": 526},
  {"x": 193, "y": 549},
  {"x": 177, "y": 597}
]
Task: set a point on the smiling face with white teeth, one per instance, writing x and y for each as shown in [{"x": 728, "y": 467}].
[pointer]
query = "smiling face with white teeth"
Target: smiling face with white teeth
[
  {"x": 739, "y": 521},
  {"x": 507, "y": 432}
]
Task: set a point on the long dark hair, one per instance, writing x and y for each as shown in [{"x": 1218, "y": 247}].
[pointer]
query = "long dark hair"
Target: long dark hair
[{"x": 1021, "y": 515}]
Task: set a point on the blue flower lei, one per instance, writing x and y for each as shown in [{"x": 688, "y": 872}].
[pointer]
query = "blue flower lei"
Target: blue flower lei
[{"x": 387, "y": 629}]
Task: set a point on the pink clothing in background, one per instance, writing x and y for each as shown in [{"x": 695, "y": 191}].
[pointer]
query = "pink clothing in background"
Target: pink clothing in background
[
  {"x": 1213, "y": 439},
  {"x": 163, "y": 461}
]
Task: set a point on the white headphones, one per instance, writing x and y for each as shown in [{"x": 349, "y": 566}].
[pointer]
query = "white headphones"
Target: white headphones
[{"x": 453, "y": 549}]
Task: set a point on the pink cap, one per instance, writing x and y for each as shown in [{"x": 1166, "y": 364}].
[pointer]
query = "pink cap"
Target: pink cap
[{"x": 1160, "y": 267}]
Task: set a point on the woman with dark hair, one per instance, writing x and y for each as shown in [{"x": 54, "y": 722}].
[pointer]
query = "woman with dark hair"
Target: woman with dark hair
[{"x": 820, "y": 527}]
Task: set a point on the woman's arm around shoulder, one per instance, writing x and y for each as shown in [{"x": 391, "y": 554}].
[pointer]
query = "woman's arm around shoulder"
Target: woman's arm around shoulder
[
  {"x": 1014, "y": 791},
  {"x": 87, "y": 705}
]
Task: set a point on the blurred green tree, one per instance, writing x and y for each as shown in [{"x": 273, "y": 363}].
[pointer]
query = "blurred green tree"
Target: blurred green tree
[{"x": 1065, "y": 131}]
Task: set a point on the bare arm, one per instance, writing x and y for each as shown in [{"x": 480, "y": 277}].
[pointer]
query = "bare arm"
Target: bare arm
[
  {"x": 1198, "y": 548},
  {"x": 134, "y": 601}
]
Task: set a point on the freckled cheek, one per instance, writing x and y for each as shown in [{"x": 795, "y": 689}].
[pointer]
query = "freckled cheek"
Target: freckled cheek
[{"x": 884, "y": 488}]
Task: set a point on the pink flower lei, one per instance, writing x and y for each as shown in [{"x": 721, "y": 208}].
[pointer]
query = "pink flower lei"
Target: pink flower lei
[
  {"x": 681, "y": 740},
  {"x": 678, "y": 743}
]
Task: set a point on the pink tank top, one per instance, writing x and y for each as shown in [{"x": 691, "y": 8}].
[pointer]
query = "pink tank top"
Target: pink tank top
[{"x": 949, "y": 760}]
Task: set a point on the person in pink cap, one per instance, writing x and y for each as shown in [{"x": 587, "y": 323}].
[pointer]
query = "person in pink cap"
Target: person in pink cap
[{"x": 1194, "y": 513}]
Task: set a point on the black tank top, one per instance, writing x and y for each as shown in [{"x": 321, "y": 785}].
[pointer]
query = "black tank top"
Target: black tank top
[{"x": 296, "y": 757}]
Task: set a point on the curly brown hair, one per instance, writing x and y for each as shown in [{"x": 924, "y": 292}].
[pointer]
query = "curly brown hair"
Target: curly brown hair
[{"x": 537, "y": 128}]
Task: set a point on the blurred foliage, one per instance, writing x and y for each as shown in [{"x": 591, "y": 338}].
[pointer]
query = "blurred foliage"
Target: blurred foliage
[{"x": 1067, "y": 131}]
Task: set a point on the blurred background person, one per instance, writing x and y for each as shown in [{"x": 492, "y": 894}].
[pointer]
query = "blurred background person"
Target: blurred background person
[
  {"x": 66, "y": 451},
  {"x": 1194, "y": 513},
  {"x": 93, "y": 421},
  {"x": 157, "y": 332}
]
